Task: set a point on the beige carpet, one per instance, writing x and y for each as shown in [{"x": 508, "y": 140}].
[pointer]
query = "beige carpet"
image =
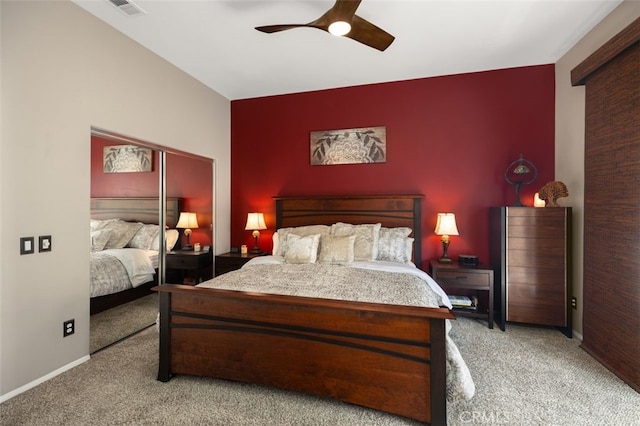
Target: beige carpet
[
  {"x": 524, "y": 376},
  {"x": 117, "y": 323}
]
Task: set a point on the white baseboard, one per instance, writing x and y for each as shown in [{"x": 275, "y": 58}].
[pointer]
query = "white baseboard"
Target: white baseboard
[{"x": 33, "y": 384}]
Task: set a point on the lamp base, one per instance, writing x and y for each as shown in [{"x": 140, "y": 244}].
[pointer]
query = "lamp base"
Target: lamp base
[
  {"x": 187, "y": 248},
  {"x": 445, "y": 260},
  {"x": 255, "y": 251}
]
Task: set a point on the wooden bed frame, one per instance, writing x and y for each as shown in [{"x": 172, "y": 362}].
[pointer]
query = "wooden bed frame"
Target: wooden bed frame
[
  {"x": 143, "y": 210},
  {"x": 387, "y": 357}
]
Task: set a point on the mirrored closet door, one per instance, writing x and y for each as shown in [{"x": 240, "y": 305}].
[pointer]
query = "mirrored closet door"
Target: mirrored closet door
[{"x": 130, "y": 182}]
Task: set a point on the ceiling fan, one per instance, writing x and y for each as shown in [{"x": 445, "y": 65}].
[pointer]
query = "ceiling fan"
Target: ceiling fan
[{"x": 341, "y": 20}]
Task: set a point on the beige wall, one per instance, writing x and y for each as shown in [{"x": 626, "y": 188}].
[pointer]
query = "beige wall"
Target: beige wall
[
  {"x": 62, "y": 72},
  {"x": 570, "y": 131}
]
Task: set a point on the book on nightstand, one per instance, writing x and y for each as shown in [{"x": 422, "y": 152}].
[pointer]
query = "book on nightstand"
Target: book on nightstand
[{"x": 463, "y": 302}]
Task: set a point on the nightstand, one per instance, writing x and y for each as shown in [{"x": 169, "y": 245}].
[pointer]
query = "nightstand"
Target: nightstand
[
  {"x": 195, "y": 265},
  {"x": 472, "y": 280},
  {"x": 231, "y": 261}
]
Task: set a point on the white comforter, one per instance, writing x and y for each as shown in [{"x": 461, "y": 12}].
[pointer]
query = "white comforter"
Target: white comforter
[
  {"x": 115, "y": 270},
  {"x": 376, "y": 282}
]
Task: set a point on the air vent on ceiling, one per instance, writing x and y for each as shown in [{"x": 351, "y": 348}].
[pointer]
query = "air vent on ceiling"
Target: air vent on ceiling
[{"x": 127, "y": 7}]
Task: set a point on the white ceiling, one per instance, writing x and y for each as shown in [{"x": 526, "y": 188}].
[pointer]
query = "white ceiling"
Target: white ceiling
[{"x": 215, "y": 40}]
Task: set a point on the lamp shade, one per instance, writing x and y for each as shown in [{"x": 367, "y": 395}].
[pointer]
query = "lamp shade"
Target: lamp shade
[
  {"x": 446, "y": 224},
  {"x": 187, "y": 220},
  {"x": 255, "y": 221}
]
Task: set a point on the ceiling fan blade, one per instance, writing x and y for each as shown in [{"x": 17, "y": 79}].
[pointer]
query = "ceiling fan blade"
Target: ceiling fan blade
[
  {"x": 344, "y": 9},
  {"x": 362, "y": 30},
  {"x": 365, "y": 32},
  {"x": 341, "y": 10},
  {"x": 275, "y": 28}
]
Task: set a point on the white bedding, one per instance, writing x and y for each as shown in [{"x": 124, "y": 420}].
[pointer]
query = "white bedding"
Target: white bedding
[
  {"x": 377, "y": 265},
  {"x": 115, "y": 270},
  {"x": 363, "y": 281}
]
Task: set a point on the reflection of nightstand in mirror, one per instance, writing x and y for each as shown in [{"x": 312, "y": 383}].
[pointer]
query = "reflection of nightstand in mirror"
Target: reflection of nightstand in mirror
[
  {"x": 456, "y": 279},
  {"x": 190, "y": 266},
  {"x": 231, "y": 261}
]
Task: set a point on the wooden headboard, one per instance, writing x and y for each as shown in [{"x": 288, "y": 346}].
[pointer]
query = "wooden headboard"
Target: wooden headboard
[
  {"x": 389, "y": 210},
  {"x": 143, "y": 210}
]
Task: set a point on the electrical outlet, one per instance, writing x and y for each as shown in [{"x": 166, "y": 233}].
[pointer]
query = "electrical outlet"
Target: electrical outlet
[
  {"x": 68, "y": 327},
  {"x": 574, "y": 303},
  {"x": 44, "y": 243}
]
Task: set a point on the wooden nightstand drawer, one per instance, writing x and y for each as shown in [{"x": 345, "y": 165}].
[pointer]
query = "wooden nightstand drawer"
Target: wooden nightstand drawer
[
  {"x": 472, "y": 282},
  {"x": 481, "y": 279},
  {"x": 182, "y": 262},
  {"x": 228, "y": 262},
  {"x": 189, "y": 267}
]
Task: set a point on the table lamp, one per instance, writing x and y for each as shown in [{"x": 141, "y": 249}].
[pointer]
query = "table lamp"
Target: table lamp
[
  {"x": 187, "y": 221},
  {"x": 255, "y": 222},
  {"x": 446, "y": 226}
]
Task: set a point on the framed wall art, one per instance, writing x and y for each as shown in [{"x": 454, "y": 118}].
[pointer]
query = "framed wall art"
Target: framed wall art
[
  {"x": 126, "y": 159},
  {"x": 349, "y": 146}
]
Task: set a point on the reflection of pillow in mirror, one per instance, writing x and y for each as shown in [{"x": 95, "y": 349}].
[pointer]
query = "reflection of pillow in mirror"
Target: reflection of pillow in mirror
[
  {"x": 171, "y": 237},
  {"x": 100, "y": 238},
  {"x": 302, "y": 249},
  {"x": 96, "y": 224},
  {"x": 144, "y": 237},
  {"x": 122, "y": 233},
  {"x": 336, "y": 250}
]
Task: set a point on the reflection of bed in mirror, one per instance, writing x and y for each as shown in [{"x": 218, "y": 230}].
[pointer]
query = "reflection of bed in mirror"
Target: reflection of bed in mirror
[{"x": 125, "y": 248}]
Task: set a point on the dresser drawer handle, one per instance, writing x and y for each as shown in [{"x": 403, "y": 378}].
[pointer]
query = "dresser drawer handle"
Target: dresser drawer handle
[{"x": 461, "y": 278}]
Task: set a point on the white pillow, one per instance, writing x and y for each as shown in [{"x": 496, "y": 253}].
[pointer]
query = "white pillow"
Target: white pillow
[
  {"x": 276, "y": 243},
  {"x": 100, "y": 238},
  {"x": 301, "y": 231},
  {"x": 366, "y": 245},
  {"x": 337, "y": 250},
  {"x": 409, "y": 249},
  {"x": 302, "y": 249},
  {"x": 122, "y": 233},
  {"x": 392, "y": 244},
  {"x": 171, "y": 238},
  {"x": 97, "y": 224}
]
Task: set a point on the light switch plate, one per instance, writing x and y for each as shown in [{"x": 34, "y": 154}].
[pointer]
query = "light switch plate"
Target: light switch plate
[
  {"x": 27, "y": 245},
  {"x": 44, "y": 243}
]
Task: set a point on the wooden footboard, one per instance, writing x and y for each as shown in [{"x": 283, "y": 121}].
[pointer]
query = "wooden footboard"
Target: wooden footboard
[{"x": 386, "y": 357}]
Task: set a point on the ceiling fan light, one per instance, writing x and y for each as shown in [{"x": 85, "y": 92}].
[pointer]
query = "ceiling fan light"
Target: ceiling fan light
[{"x": 339, "y": 28}]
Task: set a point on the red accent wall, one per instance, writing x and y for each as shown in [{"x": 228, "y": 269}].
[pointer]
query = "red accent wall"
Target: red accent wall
[
  {"x": 187, "y": 178},
  {"x": 450, "y": 138}
]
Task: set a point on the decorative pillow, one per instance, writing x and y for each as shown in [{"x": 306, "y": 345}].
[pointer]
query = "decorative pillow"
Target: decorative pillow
[
  {"x": 122, "y": 233},
  {"x": 144, "y": 237},
  {"x": 100, "y": 238},
  {"x": 366, "y": 245},
  {"x": 170, "y": 236},
  {"x": 276, "y": 243},
  {"x": 409, "y": 249},
  {"x": 302, "y": 249},
  {"x": 301, "y": 231},
  {"x": 337, "y": 250},
  {"x": 392, "y": 244},
  {"x": 97, "y": 224}
]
